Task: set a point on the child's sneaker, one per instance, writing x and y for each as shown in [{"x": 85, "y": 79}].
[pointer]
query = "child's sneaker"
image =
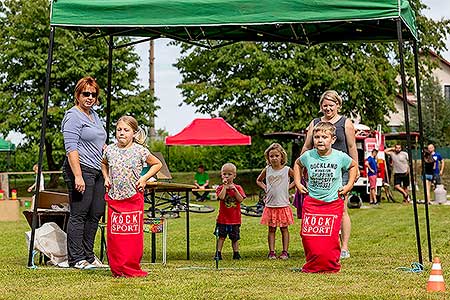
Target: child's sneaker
[
  {"x": 236, "y": 255},
  {"x": 83, "y": 265},
  {"x": 98, "y": 264},
  {"x": 284, "y": 255},
  {"x": 218, "y": 256},
  {"x": 272, "y": 255},
  {"x": 345, "y": 254}
]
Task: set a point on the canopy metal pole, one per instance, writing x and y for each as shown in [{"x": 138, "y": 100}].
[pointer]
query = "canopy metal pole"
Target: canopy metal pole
[
  {"x": 109, "y": 84},
  {"x": 421, "y": 143},
  {"x": 168, "y": 156},
  {"x": 41, "y": 144},
  {"x": 408, "y": 135},
  {"x": 108, "y": 120}
]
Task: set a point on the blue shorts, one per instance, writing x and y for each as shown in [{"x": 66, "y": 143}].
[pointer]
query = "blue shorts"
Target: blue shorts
[{"x": 429, "y": 177}]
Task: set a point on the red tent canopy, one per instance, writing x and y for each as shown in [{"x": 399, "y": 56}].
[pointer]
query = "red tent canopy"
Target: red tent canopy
[{"x": 209, "y": 132}]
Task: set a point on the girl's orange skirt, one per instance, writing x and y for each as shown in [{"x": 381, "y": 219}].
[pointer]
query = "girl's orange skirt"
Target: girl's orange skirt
[{"x": 277, "y": 216}]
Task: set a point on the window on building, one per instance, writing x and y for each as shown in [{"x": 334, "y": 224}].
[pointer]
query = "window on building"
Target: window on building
[{"x": 447, "y": 92}]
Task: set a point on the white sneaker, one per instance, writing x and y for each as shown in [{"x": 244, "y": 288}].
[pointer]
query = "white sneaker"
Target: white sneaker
[
  {"x": 98, "y": 264},
  {"x": 63, "y": 264},
  {"x": 345, "y": 254},
  {"x": 83, "y": 265}
]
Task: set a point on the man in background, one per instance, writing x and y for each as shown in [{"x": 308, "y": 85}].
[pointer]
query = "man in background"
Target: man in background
[
  {"x": 400, "y": 163},
  {"x": 439, "y": 164}
]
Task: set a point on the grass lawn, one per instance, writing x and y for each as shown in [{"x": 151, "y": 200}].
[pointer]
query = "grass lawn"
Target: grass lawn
[{"x": 383, "y": 239}]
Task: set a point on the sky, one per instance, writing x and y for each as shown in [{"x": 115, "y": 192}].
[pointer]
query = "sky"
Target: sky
[
  {"x": 170, "y": 116},
  {"x": 173, "y": 118}
]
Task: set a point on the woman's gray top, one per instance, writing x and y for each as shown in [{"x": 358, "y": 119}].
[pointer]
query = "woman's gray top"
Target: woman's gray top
[{"x": 85, "y": 135}]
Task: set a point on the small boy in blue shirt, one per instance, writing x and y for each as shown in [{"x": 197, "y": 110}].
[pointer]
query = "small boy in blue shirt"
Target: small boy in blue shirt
[{"x": 372, "y": 170}]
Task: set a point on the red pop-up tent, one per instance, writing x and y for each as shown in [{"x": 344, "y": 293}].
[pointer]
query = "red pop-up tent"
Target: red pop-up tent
[{"x": 209, "y": 132}]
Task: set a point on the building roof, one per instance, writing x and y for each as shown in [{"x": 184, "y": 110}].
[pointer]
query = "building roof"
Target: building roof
[
  {"x": 411, "y": 99},
  {"x": 441, "y": 59}
]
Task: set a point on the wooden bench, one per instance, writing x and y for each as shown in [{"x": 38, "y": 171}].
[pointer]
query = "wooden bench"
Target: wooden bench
[
  {"x": 204, "y": 190},
  {"x": 212, "y": 192}
]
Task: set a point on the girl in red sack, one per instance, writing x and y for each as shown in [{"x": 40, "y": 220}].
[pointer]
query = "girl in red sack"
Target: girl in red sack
[
  {"x": 122, "y": 163},
  {"x": 277, "y": 210},
  {"x": 323, "y": 207}
]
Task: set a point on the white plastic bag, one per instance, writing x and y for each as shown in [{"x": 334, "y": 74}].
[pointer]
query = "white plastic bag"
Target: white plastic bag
[{"x": 51, "y": 241}]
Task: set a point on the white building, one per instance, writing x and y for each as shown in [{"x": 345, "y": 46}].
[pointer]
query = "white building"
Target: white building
[{"x": 441, "y": 73}]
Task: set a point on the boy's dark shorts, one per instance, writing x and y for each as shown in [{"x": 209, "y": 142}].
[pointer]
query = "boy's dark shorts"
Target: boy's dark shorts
[
  {"x": 233, "y": 231},
  {"x": 401, "y": 179}
]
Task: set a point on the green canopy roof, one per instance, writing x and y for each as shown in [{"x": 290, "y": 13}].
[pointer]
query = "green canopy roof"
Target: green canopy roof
[
  {"x": 6, "y": 146},
  {"x": 297, "y": 21}
]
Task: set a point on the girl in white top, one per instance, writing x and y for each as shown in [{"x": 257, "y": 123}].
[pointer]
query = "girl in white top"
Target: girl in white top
[
  {"x": 33, "y": 186},
  {"x": 277, "y": 211},
  {"x": 41, "y": 184}
]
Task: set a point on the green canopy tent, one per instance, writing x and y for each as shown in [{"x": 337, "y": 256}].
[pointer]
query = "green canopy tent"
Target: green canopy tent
[
  {"x": 8, "y": 148},
  {"x": 298, "y": 21},
  {"x": 214, "y": 23}
]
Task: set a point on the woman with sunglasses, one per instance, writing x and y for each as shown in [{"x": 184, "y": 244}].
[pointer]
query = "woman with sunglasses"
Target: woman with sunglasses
[{"x": 84, "y": 139}]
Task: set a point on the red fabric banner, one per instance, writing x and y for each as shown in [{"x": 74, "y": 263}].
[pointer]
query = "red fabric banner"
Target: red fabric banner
[
  {"x": 125, "y": 239},
  {"x": 321, "y": 222}
]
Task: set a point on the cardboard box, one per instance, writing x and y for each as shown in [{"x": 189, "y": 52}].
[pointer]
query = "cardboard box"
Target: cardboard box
[
  {"x": 48, "y": 198},
  {"x": 9, "y": 210}
]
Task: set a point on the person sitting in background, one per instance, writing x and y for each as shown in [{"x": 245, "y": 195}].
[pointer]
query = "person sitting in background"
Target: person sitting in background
[{"x": 201, "y": 181}]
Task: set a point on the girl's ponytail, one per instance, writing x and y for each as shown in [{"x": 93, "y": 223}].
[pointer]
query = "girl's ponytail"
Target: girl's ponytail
[{"x": 140, "y": 136}]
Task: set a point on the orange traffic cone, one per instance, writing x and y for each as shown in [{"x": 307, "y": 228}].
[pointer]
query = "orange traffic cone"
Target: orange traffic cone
[{"x": 436, "y": 280}]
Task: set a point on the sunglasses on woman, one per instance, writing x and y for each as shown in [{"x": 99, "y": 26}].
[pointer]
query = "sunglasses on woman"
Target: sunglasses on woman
[{"x": 87, "y": 94}]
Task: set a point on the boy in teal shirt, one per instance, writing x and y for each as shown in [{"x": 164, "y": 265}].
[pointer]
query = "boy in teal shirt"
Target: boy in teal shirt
[
  {"x": 323, "y": 206},
  {"x": 324, "y": 166}
]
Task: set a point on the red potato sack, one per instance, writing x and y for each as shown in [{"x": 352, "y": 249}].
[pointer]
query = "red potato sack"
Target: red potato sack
[
  {"x": 126, "y": 236},
  {"x": 321, "y": 222}
]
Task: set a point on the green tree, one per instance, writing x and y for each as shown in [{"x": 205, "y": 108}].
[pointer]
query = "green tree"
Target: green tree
[
  {"x": 24, "y": 42},
  {"x": 435, "y": 113},
  {"x": 261, "y": 87},
  {"x": 431, "y": 37}
]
